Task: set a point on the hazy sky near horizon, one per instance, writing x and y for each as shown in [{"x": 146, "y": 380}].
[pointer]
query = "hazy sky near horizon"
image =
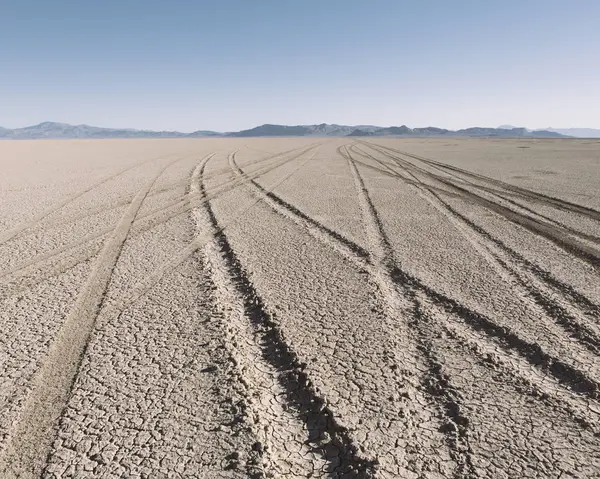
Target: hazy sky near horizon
[{"x": 232, "y": 64}]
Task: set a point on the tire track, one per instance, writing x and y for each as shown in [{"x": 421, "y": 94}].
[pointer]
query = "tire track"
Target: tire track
[
  {"x": 506, "y": 338},
  {"x": 558, "y": 236},
  {"x": 323, "y": 446},
  {"x": 316, "y": 229},
  {"x": 540, "y": 286},
  {"x": 330, "y": 440},
  {"x": 190, "y": 401},
  {"x": 396, "y": 306},
  {"x": 31, "y": 439},
  {"x": 502, "y": 196},
  {"x": 16, "y": 230},
  {"x": 140, "y": 288},
  {"x": 387, "y": 170},
  {"x": 552, "y": 368},
  {"x": 516, "y": 270},
  {"x": 437, "y": 384},
  {"x": 177, "y": 205},
  {"x": 252, "y": 333},
  {"x": 517, "y": 372},
  {"x": 164, "y": 189},
  {"x": 567, "y": 291},
  {"x": 565, "y": 385},
  {"x": 515, "y": 204},
  {"x": 556, "y": 202},
  {"x": 566, "y": 375},
  {"x": 251, "y": 338},
  {"x": 152, "y": 219}
]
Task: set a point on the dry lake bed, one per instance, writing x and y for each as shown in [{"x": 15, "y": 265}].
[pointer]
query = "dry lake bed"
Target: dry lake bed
[{"x": 300, "y": 307}]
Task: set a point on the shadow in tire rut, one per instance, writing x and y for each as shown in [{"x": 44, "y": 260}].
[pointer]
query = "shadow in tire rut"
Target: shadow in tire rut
[{"x": 325, "y": 434}]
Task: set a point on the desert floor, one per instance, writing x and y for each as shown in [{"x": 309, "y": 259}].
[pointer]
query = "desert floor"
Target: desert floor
[{"x": 300, "y": 307}]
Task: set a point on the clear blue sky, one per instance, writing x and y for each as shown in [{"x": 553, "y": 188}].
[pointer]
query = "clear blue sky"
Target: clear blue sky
[{"x": 232, "y": 64}]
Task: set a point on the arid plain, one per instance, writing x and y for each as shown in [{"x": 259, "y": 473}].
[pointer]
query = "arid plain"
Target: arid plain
[{"x": 300, "y": 307}]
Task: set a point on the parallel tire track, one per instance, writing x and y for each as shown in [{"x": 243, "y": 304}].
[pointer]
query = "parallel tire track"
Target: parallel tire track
[
  {"x": 270, "y": 369},
  {"x": 505, "y": 195},
  {"x": 551, "y": 377},
  {"x": 331, "y": 440},
  {"x": 540, "y": 286},
  {"x": 586, "y": 413},
  {"x": 559, "y": 236},
  {"x": 297, "y": 432},
  {"x": 199, "y": 241},
  {"x": 397, "y": 306},
  {"x": 567, "y": 291},
  {"x": 516, "y": 371},
  {"x": 565, "y": 374},
  {"x": 529, "y": 279},
  {"x": 556, "y": 202},
  {"x": 151, "y": 219},
  {"x": 317, "y": 229},
  {"x": 502, "y": 194},
  {"x": 172, "y": 209},
  {"x": 16, "y": 230},
  {"x": 163, "y": 189},
  {"x": 434, "y": 381},
  {"x": 30, "y": 441}
]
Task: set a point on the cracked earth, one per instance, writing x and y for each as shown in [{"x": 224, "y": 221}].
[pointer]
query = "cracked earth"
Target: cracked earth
[{"x": 267, "y": 308}]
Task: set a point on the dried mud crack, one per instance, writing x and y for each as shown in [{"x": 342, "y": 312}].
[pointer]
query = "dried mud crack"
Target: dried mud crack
[
  {"x": 324, "y": 436},
  {"x": 434, "y": 382},
  {"x": 371, "y": 308}
]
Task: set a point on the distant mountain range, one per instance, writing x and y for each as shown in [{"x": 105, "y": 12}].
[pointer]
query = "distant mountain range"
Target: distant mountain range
[
  {"x": 572, "y": 132},
  {"x": 51, "y": 130},
  {"x": 323, "y": 129},
  {"x": 369, "y": 130}
]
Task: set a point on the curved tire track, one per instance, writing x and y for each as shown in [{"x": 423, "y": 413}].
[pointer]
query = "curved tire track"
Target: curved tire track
[
  {"x": 565, "y": 374},
  {"x": 559, "y": 236},
  {"x": 199, "y": 241},
  {"x": 396, "y": 305},
  {"x": 501, "y": 194},
  {"x": 434, "y": 381},
  {"x": 16, "y": 230},
  {"x": 272, "y": 370},
  {"x": 31, "y": 439},
  {"x": 163, "y": 189},
  {"x": 151, "y": 219},
  {"x": 556, "y": 202},
  {"x": 437, "y": 384},
  {"x": 528, "y": 279},
  {"x": 344, "y": 245}
]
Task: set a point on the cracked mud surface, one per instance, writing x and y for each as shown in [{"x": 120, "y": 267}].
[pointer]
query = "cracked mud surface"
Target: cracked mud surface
[{"x": 300, "y": 308}]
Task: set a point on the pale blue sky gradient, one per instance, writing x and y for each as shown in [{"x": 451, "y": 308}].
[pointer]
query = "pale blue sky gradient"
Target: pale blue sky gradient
[{"x": 233, "y": 64}]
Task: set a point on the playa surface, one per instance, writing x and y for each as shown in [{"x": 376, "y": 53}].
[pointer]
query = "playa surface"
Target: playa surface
[{"x": 300, "y": 307}]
